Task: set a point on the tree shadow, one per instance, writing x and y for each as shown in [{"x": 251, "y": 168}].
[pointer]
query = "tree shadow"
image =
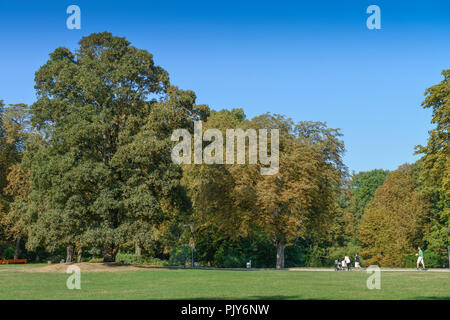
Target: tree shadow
[
  {"x": 277, "y": 297},
  {"x": 197, "y": 268},
  {"x": 432, "y": 298}
]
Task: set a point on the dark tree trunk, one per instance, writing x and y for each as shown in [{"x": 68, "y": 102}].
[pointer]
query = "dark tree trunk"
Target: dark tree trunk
[
  {"x": 17, "y": 249},
  {"x": 69, "y": 253},
  {"x": 79, "y": 254},
  {"x": 110, "y": 252},
  {"x": 280, "y": 253}
]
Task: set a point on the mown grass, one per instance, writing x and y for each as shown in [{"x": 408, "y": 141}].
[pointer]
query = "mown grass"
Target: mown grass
[{"x": 158, "y": 283}]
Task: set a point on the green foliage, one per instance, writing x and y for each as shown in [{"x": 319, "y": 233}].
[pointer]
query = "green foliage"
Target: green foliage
[
  {"x": 102, "y": 177},
  {"x": 87, "y": 165},
  {"x": 363, "y": 186},
  {"x": 395, "y": 222},
  {"x": 130, "y": 258},
  {"x": 236, "y": 254},
  {"x": 315, "y": 256},
  {"x": 339, "y": 253},
  {"x": 435, "y": 167},
  {"x": 8, "y": 253},
  {"x": 41, "y": 255},
  {"x": 179, "y": 255}
]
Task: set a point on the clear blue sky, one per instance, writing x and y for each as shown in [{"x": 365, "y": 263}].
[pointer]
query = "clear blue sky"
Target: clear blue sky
[{"x": 309, "y": 60}]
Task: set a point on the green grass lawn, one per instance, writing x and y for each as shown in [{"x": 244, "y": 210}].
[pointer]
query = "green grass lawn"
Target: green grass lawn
[{"x": 156, "y": 283}]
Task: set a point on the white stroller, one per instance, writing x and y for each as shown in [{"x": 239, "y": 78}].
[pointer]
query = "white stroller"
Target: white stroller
[{"x": 339, "y": 266}]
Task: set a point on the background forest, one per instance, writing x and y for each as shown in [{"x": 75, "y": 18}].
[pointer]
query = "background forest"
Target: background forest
[{"x": 86, "y": 174}]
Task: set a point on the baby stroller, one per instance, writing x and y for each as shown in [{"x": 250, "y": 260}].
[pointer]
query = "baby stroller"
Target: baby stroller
[{"x": 338, "y": 265}]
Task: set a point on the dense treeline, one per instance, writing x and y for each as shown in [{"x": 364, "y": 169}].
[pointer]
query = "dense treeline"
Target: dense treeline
[{"x": 86, "y": 172}]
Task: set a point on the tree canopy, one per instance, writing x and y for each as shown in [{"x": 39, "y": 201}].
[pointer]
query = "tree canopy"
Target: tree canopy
[{"x": 88, "y": 167}]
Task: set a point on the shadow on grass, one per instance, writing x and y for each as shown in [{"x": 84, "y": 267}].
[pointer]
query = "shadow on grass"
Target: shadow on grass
[
  {"x": 432, "y": 298},
  {"x": 281, "y": 297},
  {"x": 278, "y": 297},
  {"x": 198, "y": 268}
]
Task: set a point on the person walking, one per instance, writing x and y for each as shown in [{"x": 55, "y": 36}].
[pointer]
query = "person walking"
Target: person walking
[
  {"x": 347, "y": 262},
  {"x": 419, "y": 256},
  {"x": 357, "y": 266}
]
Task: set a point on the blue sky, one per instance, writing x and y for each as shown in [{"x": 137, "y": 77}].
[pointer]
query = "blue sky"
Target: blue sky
[{"x": 309, "y": 60}]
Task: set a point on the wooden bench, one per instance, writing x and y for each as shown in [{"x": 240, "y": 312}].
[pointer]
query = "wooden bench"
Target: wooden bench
[{"x": 12, "y": 261}]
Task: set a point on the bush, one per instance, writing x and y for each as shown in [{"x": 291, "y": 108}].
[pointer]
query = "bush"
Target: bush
[
  {"x": 130, "y": 258},
  {"x": 179, "y": 254},
  {"x": 435, "y": 260},
  {"x": 218, "y": 250},
  {"x": 410, "y": 261},
  {"x": 41, "y": 255},
  {"x": 8, "y": 253},
  {"x": 294, "y": 256},
  {"x": 227, "y": 257},
  {"x": 432, "y": 260},
  {"x": 340, "y": 252}
]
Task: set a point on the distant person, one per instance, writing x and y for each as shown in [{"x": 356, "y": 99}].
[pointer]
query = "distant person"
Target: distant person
[
  {"x": 347, "y": 262},
  {"x": 357, "y": 261},
  {"x": 419, "y": 256},
  {"x": 343, "y": 264}
]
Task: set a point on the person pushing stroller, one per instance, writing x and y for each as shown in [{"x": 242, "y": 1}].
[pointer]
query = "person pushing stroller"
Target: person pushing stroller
[
  {"x": 342, "y": 265},
  {"x": 347, "y": 262}
]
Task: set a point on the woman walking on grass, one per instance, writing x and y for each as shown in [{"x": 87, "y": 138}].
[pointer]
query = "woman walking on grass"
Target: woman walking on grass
[{"x": 347, "y": 262}]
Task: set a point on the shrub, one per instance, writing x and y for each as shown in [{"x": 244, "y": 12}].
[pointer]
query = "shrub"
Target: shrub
[
  {"x": 178, "y": 254},
  {"x": 130, "y": 258},
  {"x": 8, "y": 253}
]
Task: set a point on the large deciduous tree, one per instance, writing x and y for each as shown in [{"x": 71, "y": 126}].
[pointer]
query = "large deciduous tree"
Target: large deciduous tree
[
  {"x": 435, "y": 165},
  {"x": 15, "y": 131},
  {"x": 296, "y": 201},
  {"x": 363, "y": 186},
  {"x": 395, "y": 222},
  {"x": 102, "y": 176}
]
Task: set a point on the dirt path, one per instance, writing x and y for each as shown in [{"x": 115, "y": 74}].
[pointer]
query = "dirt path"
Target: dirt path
[{"x": 118, "y": 267}]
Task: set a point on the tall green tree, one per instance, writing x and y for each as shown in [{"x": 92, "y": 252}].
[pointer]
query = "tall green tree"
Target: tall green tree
[
  {"x": 15, "y": 131},
  {"x": 396, "y": 221},
  {"x": 435, "y": 165},
  {"x": 102, "y": 176},
  {"x": 298, "y": 201},
  {"x": 363, "y": 186},
  {"x": 295, "y": 202}
]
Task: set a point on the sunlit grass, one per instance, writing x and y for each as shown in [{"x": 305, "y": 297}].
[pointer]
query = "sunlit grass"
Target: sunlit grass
[{"x": 160, "y": 283}]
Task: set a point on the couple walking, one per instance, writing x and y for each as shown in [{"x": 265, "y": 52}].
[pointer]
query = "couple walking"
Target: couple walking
[{"x": 347, "y": 262}]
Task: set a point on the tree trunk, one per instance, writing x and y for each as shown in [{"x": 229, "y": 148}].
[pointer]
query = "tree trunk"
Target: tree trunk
[
  {"x": 137, "y": 249},
  {"x": 280, "y": 253},
  {"x": 17, "y": 249},
  {"x": 110, "y": 252},
  {"x": 79, "y": 254},
  {"x": 69, "y": 253}
]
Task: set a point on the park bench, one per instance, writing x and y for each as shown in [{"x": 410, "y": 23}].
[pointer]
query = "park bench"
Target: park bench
[{"x": 11, "y": 261}]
